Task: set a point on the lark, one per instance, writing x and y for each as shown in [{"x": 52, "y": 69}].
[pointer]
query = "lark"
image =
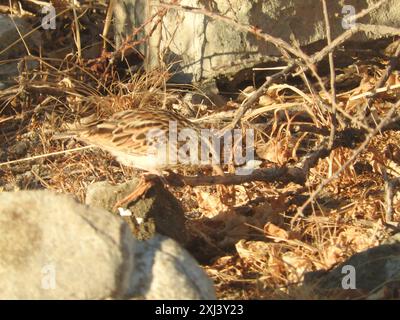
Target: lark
[{"x": 133, "y": 137}]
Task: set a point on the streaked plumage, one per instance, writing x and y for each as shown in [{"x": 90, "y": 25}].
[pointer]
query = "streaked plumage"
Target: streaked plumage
[{"x": 125, "y": 135}]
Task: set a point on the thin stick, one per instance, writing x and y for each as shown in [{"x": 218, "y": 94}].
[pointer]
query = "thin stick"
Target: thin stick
[
  {"x": 366, "y": 28},
  {"x": 366, "y": 11},
  {"x": 19, "y": 33},
  {"x": 45, "y": 155},
  {"x": 77, "y": 32},
  {"x": 372, "y": 93},
  {"x": 332, "y": 74},
  {"x": 107, "y": 22}
]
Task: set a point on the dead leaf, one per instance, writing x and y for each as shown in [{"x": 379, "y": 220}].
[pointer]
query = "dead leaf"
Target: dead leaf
[
  {"x": 271, "y": 230},
  {"x": 210, "y": 204}
]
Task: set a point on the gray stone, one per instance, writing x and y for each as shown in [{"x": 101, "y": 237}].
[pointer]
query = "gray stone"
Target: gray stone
[
  {"x": 373, "y": 269},
  {"x": 208, "y": 48},
  {"x": 19, "y": 149},
  {"x": 166, "y": 271},
  {"x": 55, "y": 248},
  {"x": 9, "y": 35},
  {"x": 12, "y": 46},
  {"x": 158, "y": 211}
]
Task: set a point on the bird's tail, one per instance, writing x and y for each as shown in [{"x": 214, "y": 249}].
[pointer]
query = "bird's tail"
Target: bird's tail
[{"x": 73, "y": 130}]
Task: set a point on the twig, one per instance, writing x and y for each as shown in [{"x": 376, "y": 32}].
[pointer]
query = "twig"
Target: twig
[
  {"x": 394, "y": 62},
  {"x": 332, "y": 74},
  {"x": 77, "y": 33},
  {"x": 7, "y": 119},
  {"x": 374, "y": 92},
  {"x": 107, "y": 22},
  {"x": 47, "y": 90},
  {"x": 20, "y": 35},
  {"x": 366, "y": 28},
  {"x": 283, "y": 174},
  {"x": 44, "y": 155},
  {"x": 366, "y": 11}
]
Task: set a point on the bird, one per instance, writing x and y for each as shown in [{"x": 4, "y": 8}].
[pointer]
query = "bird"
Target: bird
[{"x": 134, "y": 137}]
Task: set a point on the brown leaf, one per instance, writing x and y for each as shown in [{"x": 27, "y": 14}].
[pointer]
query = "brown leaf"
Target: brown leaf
[{"x": 271, "y": 230}]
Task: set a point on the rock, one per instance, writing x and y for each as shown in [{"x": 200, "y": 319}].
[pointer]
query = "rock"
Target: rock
[
  {"x": 19, "y": 149},
  {"x": 375, "y": 270},
  {"x": 10, "y": 36},
  {"x": 158, "y": 211},
  {"x": 178, "y": 276},
  {"x": 9, "y": 71},
  {"x": 52, "y": 248},
  {"x": 203, "y": 48},
  {"x": 55, "y": 248}
]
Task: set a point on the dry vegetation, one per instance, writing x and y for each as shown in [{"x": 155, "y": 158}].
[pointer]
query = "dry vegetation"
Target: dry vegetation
[{"x": 261, "y": 250}]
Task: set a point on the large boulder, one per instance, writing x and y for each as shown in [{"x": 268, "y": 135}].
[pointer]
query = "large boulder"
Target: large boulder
[
  {"x": 52, "y": 247},
  {"x": 372, "y": 274},
  {"x": 207, "y": 48}
]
